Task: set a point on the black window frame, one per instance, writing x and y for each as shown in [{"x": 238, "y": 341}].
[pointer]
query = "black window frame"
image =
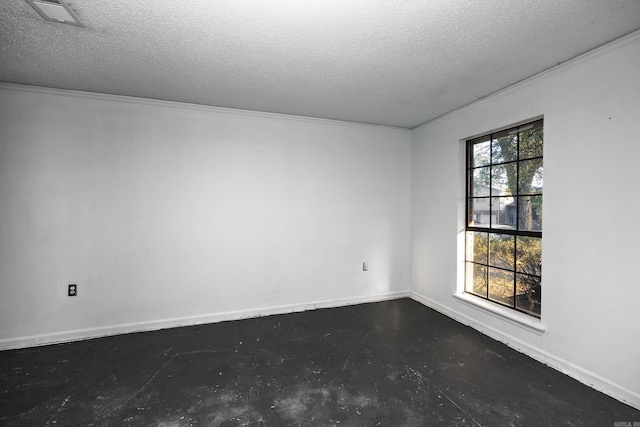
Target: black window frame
[{"x": 490, "y": 230}]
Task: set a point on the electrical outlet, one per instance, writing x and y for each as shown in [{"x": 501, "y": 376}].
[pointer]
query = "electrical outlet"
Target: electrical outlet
[
  {"x": 365, "y": 266},
  {"x": 72, "y": 290}
]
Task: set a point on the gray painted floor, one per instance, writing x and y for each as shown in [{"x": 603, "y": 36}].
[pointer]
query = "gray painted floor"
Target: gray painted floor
[{"x": 393, "y": 363}]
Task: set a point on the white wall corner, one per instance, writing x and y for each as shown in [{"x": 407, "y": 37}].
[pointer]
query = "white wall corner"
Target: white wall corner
[{"x": 578, "y": 373}]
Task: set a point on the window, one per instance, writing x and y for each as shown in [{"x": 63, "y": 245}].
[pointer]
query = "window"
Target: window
[{"x": 504, "y": 217}]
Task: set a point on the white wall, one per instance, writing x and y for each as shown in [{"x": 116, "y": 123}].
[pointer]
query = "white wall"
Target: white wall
[
  {"x": 591, "y": 247},
  {"x": 168, "y": 214}
]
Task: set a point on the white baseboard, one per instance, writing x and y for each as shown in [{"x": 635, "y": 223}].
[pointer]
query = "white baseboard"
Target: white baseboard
[
  {"x": 586, "y": 377},
  {"x": 89, "y": 333}
]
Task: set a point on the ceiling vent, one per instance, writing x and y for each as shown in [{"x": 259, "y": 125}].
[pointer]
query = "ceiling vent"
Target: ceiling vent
[{"x": 56, "y": 11}]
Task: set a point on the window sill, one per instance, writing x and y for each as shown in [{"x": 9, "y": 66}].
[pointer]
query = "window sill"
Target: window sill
[{"x": 521, "y": 320}]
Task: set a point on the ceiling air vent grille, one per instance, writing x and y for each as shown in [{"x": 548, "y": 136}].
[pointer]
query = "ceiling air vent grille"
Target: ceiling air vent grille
[{"x": 56, "y": 11}]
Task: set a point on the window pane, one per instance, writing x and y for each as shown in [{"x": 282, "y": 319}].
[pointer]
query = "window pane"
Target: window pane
[
  {"x": 476, "y": 280},
  {"x": 479, "y": 210},
  {"x": 530, "y": 176},
  {"x": 503, "y": 179},
  {"x": 501, "y": 286},
  {"x": 537, "y": 182},
  {"x": 503, "y": 210},
  {"x": 504, "y": 147},
  {"x": 504, "y": 198},
  {"x": 531, "y": 143},
  {"x": 480, "y": 182},
  {"x": 529, "y": 255},
  {"x": 530, "y": 213},
  {"x": 481, "y": 154},
  {"x": 477, "y": 247},
  {"x": 528, "y": 293},
  {"x": 501, "y": 250}
]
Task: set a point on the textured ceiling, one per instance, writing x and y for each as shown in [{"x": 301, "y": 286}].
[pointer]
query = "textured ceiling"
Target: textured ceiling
[{"x": 391, "y": 62}]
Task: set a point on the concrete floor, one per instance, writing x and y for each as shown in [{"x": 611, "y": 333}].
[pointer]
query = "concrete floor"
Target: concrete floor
[{"x": 393, "y": 363}]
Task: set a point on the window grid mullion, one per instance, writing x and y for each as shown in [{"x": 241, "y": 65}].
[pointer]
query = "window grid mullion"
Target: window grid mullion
[
  {"x": 486, "y": 268},
  {"x": 526, "y": 233},
  {"x": 517, "y": 186},
  {"x": 515, "y": 238},
  {"x": 515, "y": 263},
  {"x": 490, "y": 184}
]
